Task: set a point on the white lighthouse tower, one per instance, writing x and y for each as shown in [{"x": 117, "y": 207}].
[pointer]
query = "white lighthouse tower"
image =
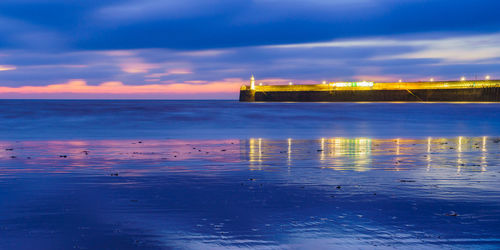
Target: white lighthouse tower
[{"x": 252, "y": 83}]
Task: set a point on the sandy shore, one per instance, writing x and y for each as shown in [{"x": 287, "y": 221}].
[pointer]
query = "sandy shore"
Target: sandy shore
[{"x": 334, "y": 192}]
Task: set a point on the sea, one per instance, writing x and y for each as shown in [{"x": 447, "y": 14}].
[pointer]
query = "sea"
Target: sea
[
  {"x": 136, "y": 119},
  {"x": 210, "y": 174}
]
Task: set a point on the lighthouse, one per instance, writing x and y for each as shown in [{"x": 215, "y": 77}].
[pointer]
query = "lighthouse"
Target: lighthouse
[{"x": 252, "y": 83}]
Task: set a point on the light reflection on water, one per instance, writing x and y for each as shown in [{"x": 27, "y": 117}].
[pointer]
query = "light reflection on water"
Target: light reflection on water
[{"x": 291, "y": 193}]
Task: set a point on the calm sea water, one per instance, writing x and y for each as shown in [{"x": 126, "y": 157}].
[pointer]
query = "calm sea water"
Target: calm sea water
[
  {"x": 223, "y": 174},
  {"x": 34, "y": 119}
]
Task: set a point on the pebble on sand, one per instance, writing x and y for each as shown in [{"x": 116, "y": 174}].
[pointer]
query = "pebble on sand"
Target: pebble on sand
[{"x": 451, "y": 213}]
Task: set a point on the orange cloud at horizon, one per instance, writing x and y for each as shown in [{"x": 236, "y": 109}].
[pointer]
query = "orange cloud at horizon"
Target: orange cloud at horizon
[{"x": 80, "y": 87}]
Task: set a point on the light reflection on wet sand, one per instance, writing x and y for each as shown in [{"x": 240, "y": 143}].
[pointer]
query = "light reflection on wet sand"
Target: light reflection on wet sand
[
  {"x": 334, "y": 192},
  {"x": 358, "y": 154},
  {"x": 363, "y": 154}
]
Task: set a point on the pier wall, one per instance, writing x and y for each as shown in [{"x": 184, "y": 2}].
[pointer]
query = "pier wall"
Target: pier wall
[{"x": 487, "y": 94}]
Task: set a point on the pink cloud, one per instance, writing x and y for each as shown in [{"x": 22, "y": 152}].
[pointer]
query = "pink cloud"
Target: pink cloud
[
  {"x": 7, "y": 67},
  {"x": 196, "y": 82},
  {"x": 171, "y": 72},
  {"x": 135, "y": 66},
  {"x": 70, "y": 66},
  {"x": 118, "y": 88},
  {"x": 118, "y": 53}
]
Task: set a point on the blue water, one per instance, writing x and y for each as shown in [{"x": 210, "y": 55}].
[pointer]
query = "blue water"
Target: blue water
[
  {"x": 56, "y": 119},
  {"x": 229, "y": 175}
]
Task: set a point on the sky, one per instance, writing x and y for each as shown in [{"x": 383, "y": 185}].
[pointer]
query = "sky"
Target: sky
[{"x": 207, "y": 49}]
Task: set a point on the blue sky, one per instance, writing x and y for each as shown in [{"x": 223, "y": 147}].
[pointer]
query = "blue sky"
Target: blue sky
[{"x": 207, "y": 49}]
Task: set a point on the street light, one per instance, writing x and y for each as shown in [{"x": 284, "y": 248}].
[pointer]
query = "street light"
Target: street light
[
  {"x": 487, "y": 77},
  {"x": 463, "y": 78},
  {"x": 432, "y": 79}
]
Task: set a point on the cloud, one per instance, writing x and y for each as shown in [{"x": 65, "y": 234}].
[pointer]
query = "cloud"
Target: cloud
[
  {"x": 389, "y": 58},
  {"x": 16, "y": 33},
  {"x": 144, "y": 10},
  {"x": 130, "y": 62},
  {"x": 457, "y": 49},
  {"x": 7, "y": 67},
  {"x": 171, "y": 72},
  {"x": 118, "y": 88},
  {"x": 137, "y": 66},
  {"x": 118, "y": 53},
  {"x": 194, "y": 25},
  {"x": 204, "y": 53},
  {"x": 449, "y": 48}
]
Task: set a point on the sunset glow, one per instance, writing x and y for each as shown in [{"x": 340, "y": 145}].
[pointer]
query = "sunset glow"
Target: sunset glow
[
  {"x": 81, "y": 87},
  {"x": 161, "y": 49}
]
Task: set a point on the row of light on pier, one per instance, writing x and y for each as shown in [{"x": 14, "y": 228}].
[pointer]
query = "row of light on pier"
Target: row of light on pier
[
  {"x": 463, "y": 78},
  {"x": 488, "y": 77}
]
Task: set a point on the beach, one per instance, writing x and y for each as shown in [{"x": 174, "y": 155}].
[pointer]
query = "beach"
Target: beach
[
  {"x": 235, "y": 191},
  {"x": 156, "y": 124}
]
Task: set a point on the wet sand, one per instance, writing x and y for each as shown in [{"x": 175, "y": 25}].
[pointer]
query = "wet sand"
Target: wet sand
[{"x": 237, "y": 193}]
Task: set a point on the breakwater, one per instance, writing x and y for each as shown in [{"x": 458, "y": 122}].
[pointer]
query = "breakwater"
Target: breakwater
[{"x": 450, "y": 91}]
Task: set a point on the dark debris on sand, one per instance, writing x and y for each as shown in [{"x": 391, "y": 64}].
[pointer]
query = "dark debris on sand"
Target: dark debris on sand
[
  {"x": 406, "y": 181},
  {"x": 452, "y": 213}
]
